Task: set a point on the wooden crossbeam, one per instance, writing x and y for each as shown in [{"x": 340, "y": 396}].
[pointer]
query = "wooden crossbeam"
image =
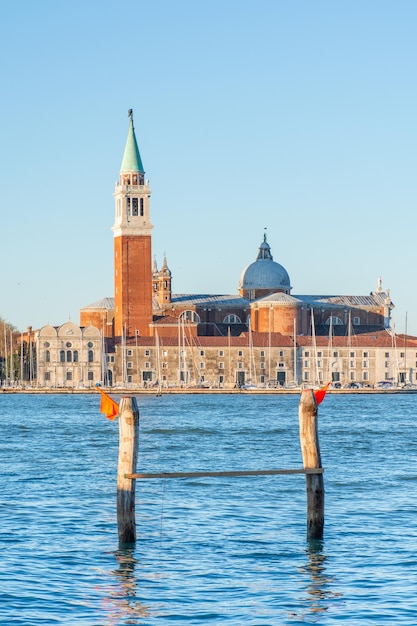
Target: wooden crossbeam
[{"x": 269, "y": 472}]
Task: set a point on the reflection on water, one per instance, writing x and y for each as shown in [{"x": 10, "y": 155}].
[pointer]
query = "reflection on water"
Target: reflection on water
[
  {"x": 121, "y": 605},
  {"x": 318, "y": 591}
]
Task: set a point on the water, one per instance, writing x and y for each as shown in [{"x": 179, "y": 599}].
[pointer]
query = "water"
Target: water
[{"x": 209, "y": 551}]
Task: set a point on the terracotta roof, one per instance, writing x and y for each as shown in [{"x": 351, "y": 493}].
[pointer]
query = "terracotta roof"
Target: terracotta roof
[{"x": 379, "y": 339}]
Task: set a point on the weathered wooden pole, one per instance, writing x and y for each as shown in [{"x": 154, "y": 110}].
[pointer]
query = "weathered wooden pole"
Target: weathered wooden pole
[
  {"x": 310, "y": 449},
  {"x": 128, "y": 454}
]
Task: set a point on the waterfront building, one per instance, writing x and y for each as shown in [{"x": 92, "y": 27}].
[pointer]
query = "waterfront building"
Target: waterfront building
[
  {"x": 69, "y": 356},
  {"x": 264, "y": 335}
]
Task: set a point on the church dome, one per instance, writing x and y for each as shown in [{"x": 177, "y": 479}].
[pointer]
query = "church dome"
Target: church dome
[{"x": 264, "y": 275}]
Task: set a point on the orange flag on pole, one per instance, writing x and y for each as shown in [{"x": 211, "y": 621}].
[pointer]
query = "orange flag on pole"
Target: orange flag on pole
[
  {"x": 320, "y": 393},
  {"x": 109, "y": 407}
]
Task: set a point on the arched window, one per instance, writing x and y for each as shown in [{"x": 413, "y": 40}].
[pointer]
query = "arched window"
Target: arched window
[
  {"x": 232, "y": 319},
  {"x": 47, "y": 356},
  {"x": 75, "y": 356},
  {"x": 90, "y": 356},
  {"x": 62, "y": 356},
  {"x": 336, "y": 321},
  {"x": 141, "y": 207},
  {"x": 190, "y": 316}
]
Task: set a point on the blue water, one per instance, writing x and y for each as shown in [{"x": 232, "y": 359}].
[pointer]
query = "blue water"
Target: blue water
[{"x": 209, "y": 551}]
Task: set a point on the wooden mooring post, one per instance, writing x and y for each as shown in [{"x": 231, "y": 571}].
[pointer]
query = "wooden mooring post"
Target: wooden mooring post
[
  {"x": 128, "y": 455},
  {"x": 310, "y": 449}
]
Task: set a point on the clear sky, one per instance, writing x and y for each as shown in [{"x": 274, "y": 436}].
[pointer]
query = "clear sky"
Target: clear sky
[{"x": 298, "y": 116}]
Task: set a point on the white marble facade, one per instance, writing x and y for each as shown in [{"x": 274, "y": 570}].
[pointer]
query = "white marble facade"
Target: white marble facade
[{"x": 69, "y": 356}]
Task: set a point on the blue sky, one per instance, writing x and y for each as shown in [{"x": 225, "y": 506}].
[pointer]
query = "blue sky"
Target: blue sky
[{"x": 295, "y": 116}]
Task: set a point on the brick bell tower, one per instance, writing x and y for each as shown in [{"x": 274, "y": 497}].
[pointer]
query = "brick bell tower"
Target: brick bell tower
[{"x": 132, "y": 245}]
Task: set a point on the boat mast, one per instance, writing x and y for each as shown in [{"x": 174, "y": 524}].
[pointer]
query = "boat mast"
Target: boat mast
[
  {"x": 313, "y": 336},
  {"x": 5, "y": 353},
  {"x": 295, "y": 351}
]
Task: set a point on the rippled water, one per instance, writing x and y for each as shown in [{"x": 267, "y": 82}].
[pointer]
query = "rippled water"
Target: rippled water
[{"x": 209, "y": 551}]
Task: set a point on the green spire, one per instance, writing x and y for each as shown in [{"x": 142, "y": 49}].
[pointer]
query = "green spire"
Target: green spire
[{"x": 131, "y": 158}]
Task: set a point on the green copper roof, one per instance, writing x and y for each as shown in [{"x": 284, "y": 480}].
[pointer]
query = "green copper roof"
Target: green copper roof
[{"x": 131, "y": 158}]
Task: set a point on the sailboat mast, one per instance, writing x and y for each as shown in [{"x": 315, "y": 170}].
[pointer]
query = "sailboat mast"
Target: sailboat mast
[
  {"x": 405, "y": 352},
  {"x": 5, "y": 353},
  {"x": 229, "y": 356},
  {"x": 21, "y": 358},
  {"x": 12, "y": 375},
  {"x": 313, "y": 336},
  {"x": 295, "y": 351}
]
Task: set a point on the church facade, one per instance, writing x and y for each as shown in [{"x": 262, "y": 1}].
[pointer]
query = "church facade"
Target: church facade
[{"x": 264, "y": 335}]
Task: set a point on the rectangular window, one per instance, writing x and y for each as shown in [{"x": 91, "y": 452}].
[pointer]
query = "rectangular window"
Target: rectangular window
[
  {"x": 129, "y": 352},
  {"x": 281, "y": 353},
  {"x": 262, "y": 352},
  {"x": 69, "y": 376},
  {"x": 147, "y": 353},
  {"x": 386, "y": 363},
  {"x": 262, "y": 380},
  {"x": 306, "y": 363},
  {"x": 387, "y": 355},
  {"x": 90, "y": 375},
  {"x": 365, "y": 375},
  {"x": 221, "y": 353},
  {"x": 319, "y": 364},
  {"x": 356, "y": 321},
  {"x": 164, "y": 352},
  {"x": 352, "y": 375},
  {"x": 202, "y": 365},
  {"x": 147, "y": 365},
  {"x": 352, "y": 364},
  {"x": 129, "y": 379},
  {"x": 201, "y": 352},
  {"x": 319, "y": 354},
  {"x": 365, "y": 354},
  {"x": 306, "y": 376},
  {"x": 129, "y": 365},
  {"x": 281, "y": 364},
  {"x": 47, "y": 375},
  {"x": 262, "y": 365},
  {"x": 402, "y": 355},
  {"x": 141, "y": 207},
  {"x": 240, "y": 353},
  {"x": 306, "y": 353},
  {"x": 221, "y": 380},
  {"x": 352, "y": 355},
  {"x": 240, "y": 365},
  {"x": 365, "y": 364},
  {"x": 134, "y": 206},
  {"x": 221, "y": 365},
  {"x": 335, "y": 354}
]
